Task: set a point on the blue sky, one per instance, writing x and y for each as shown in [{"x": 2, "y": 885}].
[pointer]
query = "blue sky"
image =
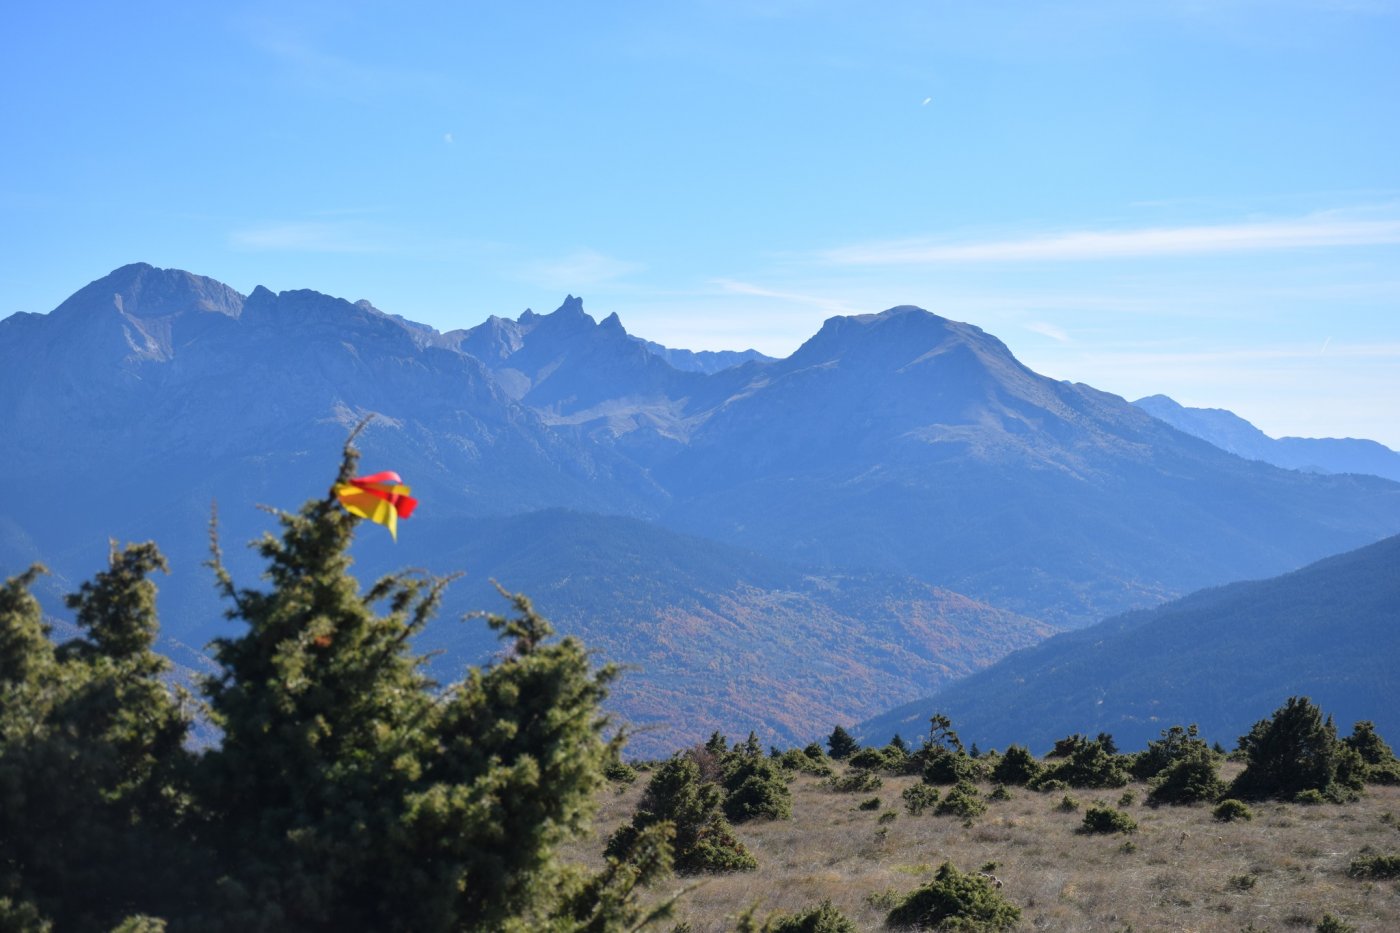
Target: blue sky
[{"x": 1195, "y": 197}]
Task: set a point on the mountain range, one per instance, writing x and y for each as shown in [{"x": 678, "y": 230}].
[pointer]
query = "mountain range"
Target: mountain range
[
  {"x": 1222, "y": 658},
  {"x": 898, "y": 502},
  {"x": 1230, "y": 432}
]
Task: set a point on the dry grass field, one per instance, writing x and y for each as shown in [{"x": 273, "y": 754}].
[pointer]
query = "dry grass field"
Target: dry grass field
[{"x": 1180, "y": 871}]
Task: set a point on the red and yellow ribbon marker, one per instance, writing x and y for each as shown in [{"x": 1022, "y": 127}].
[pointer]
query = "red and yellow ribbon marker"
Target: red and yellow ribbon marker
[{"x": 381, "y": 497}]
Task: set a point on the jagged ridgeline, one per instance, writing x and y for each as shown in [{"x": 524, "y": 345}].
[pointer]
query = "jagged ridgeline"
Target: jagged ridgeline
[{"x": 898, "y": 503}]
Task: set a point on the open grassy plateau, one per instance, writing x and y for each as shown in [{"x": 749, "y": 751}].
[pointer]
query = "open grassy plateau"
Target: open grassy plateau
[{"x": 1285, "y": 869}]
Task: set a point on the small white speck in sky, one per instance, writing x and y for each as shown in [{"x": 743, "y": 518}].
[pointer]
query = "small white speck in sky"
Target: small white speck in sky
[
  {"x": 926, "y": 102},
  {"x": 447, "y": 138},
  {"x": 1324, "y": 346}
]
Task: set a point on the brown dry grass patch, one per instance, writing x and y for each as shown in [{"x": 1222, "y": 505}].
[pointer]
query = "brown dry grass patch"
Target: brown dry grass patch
[{"x": 1181, "y": 871}]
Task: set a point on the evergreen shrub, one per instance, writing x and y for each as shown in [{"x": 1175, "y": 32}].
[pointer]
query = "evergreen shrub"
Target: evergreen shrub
[
  {"x": 1018, "y": 766},
  {"x": 955, "y": 901},
  {"x": 1107, "y": 820},
  {"x": 1231, "y": 810},
  {"x": 962, "y": 800},
  {"x": 854, "y": 782},
  {"x": 1375, "y": 866},
  {"x": 919, "y": 797}
]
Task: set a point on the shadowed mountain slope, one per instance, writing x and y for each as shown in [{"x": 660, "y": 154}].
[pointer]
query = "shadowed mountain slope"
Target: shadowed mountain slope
[{"x": 1223, "y": 658}]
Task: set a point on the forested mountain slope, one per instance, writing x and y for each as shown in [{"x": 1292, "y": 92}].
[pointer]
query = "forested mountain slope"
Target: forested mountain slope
[{"x": 1223, "y": 658}]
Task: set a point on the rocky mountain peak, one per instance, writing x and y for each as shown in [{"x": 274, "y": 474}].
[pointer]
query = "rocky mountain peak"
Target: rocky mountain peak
[
  {"x": 897, "y": 337},
  {"x": 140, "y": 290}
]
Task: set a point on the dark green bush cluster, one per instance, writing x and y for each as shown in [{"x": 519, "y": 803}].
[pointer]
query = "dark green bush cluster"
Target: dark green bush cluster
[
  {"x": 1192, "y": 778},
  {"x": 951, "y": 768},
  {"x": 854, "y": 782},
  {"x": 756, "y": 788},
  {"x": 1179, "y": 767},
  {"x": 748, "y": 785},
  {"x": 1294, "y": 752},
  {"x": 919, "y": 797},
  {"x": 955, "y": 901},
  {"x": 1380, "y": 766},
  {"x": 823, "y": 918},
  {"x": 963, "y": 800},
  {"x": 841, "y": 744},
  {"x": 703, "y": 839},
  {"x": 943, "y": 760},
  {"x": 1231, "y": 810},
  {"x": 699, "y": 791},
  {"x": 809, "y": 760},
  {"x": 1246, "y": 882},
  {"x": 892, "y": 759},
  {"x": 1084, "y": 763},
  {"x": 1375, "y": 866},
  {"x": 1107, "y": 820},
  {"x": 1176, "y": 743},
  {"x": 1017, "y": 766}
]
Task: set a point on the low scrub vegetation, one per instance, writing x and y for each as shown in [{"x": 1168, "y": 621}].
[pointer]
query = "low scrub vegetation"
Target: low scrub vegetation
[
  {"x": 1375, "y": 866},
  {"x": 1115, "y": 840},
  {"x": 1107, "y": 820},
  {"x": 955, "y": 900},
  {"x": 1230, "y": 810}
]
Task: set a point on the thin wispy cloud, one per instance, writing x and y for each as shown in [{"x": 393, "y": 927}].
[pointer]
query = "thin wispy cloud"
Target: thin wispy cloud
[
  {"x": 577, "y": 270},
  {"x": 1083, "y": 245},
  {"x": 1048, "y": 330},
  {"x": 827, "y": 304},
  {"x": 321, "y": 71},
  {"x": 312, "y": 237},
  {"x": 1358, "y": 352}
]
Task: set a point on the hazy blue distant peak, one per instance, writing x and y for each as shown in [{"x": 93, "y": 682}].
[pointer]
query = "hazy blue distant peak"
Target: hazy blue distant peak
[
  {"x": 701, "y": 361},
  {"x": 1222, "y": 428},
  {"x": 901, "y": 320},
  {"x": 899, "y": 336},
  {"x": 422, "y": 334},
  {"x": 140, "y": 290},
  {"x": 572, "y": 307},
  {"x": 1230, "y": 432},
  {"x": 568, "y": 318},
  {"x": 141, "y": 294}
]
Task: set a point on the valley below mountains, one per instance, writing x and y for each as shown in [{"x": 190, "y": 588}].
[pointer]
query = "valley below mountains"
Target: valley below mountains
[{"x": 767, "y": 544}]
